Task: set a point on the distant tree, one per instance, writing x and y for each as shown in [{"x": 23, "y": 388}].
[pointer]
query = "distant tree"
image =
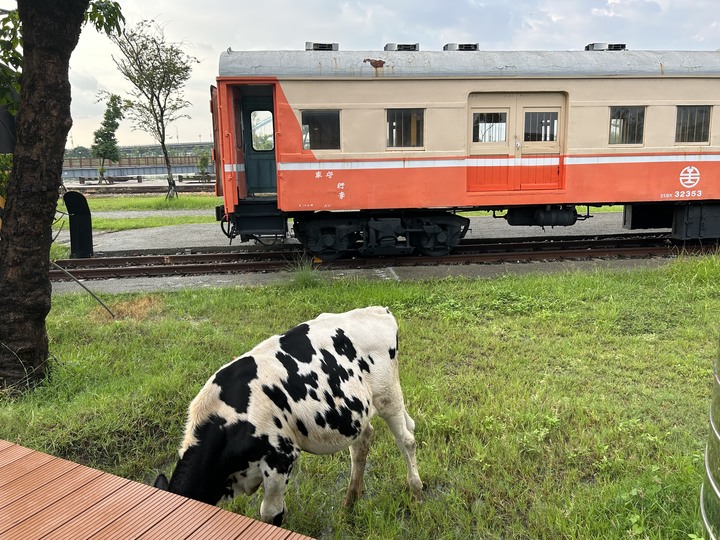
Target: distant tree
[
  {"x": 105, "y": 145},
  {"x": 50, "y": 30},
  {"x": 203, "y": 163},
  {"x": 158, "y": 71},
  {"x": 78, "y": 152}
]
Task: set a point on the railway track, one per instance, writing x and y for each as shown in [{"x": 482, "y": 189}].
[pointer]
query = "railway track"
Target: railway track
[{"x": 469, "y": 252}]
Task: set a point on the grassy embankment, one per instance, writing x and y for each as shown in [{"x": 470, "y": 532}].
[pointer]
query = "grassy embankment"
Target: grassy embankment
[{"x": 547, "y": 406}]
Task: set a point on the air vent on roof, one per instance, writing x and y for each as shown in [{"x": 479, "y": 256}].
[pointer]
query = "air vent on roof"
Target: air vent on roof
[
  {"x": 462, "y": 47},
  {"x": 312, "y": 46},
  {"x": 605, "y": 47},
  {"x": 402, "y": 47}
]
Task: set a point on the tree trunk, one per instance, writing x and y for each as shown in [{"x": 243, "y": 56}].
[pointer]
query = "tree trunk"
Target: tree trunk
[
  {"x": 172, "y": 188},
  {"x": 51, "y": 29}
]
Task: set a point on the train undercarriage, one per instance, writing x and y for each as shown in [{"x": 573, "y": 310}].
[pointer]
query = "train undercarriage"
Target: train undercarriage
[{"x": 330, "y": 235}]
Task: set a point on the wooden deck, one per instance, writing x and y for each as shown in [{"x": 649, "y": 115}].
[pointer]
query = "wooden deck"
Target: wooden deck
[{"x": 42, "y": 496}]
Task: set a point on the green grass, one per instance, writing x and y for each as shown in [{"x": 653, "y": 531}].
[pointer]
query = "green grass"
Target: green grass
[
  {"x": 150, "y": 202},
  {"x": 59, "y": 251},
  {"x": 145, "y": 203},
  {"x": 547, "y": 406},
  {"x": 109, "y": 224}
]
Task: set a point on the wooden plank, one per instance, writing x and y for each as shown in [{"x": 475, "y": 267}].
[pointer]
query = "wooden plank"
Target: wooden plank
[
  {"x": 40, "y": 498},
  {"x": 13, "y": 453},
  {"x": 55, "y": 499},
  {"x": 27, "y": 476},
  {"x": 35, "y": 500},
  {"x": 225, "y": 525},
  {"x": 66, "y": 508},
  {"x": 181, "y": 522},
  {"x": 140, "y": 518},
  {"x": 99, "y": 516},
  {"x": 258, "y": 529},
  {"x": 297, "y": 536},
  {"x": 25, "y": 466}
]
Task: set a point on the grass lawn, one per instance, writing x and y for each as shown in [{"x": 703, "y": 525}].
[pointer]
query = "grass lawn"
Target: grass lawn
[
  {"x": 153, "y": 202},
  {"x": 547, "y": 406}
]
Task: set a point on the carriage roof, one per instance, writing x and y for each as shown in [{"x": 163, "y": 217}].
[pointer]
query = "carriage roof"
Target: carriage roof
[{"x": 467, "y": 64}]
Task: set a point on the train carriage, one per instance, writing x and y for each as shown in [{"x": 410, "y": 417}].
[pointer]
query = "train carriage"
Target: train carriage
[{"x": 379, "y": 150}]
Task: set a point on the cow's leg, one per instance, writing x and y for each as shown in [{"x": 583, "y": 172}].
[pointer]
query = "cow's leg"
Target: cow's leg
[
  {"x": 358, "y": 456},
  {"x": 402, "y": 428}
]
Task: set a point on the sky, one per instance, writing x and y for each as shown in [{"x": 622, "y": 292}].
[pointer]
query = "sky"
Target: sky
[{"x": 206, "y": 28}]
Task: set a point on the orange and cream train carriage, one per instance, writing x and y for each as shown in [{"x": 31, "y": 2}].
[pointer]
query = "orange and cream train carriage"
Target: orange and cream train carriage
[{"x": 379, "y": 150}]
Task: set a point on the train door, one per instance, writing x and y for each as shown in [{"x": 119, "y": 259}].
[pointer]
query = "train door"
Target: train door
[
  {"x": 515, "y": 141},
  {"x": 537, "y": 141},
  {"x": 258, "y": 136},
  {"x": 252, "y": 206}
]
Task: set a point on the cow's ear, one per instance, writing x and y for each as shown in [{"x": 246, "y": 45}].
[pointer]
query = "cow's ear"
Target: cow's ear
[{"x": 161, "y": 482}]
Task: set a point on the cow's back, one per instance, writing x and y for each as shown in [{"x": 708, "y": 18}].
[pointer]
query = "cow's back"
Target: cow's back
[{"x": 314, "y": 385}]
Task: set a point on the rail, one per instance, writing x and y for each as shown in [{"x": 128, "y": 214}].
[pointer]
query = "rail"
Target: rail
[{"x": 469, "y": 252}]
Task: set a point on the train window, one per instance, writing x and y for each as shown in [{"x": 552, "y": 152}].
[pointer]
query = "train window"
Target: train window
[
  {"x": 693, "y": 124},
  {"x": 489, "y": 127},
  {"x": 627, "y": 125},
  {"x": 321, "y": 130},
  {"x": 405, "y": 127},
  {"x": 262, "y": 131},
  {"x": 541, "y": 126}
]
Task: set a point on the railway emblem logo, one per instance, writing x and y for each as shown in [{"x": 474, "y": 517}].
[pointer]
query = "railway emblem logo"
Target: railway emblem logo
[{"x": 690, "y": 177}]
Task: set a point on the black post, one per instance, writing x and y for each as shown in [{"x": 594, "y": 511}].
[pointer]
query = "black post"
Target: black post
[{"x": 81, "y": 243}]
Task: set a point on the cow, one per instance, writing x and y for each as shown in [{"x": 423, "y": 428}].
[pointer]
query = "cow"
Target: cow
[{"x": 314, "y": 388}]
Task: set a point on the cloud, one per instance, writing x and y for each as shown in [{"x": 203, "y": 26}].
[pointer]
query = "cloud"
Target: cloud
[{"x": 210, "y": 28}]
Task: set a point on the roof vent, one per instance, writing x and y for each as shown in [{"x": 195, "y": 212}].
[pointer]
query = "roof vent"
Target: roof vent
[
  {"x": 462, "y": 47},
  {"x": 402, "y": 47},
  {"x": 312, "y": 46},
  {"x": 605, "y": 47}
]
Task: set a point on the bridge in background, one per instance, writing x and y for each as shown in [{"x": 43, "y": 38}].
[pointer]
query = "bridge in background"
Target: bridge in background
[{"x": 130, "y": 166}]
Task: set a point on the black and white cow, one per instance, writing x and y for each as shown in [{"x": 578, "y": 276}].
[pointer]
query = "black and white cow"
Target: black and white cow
[{"x": 314, "y": 388}]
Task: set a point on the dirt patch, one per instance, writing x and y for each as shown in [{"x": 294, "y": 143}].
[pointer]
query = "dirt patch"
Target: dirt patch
[{"x": 137, "y": 309}]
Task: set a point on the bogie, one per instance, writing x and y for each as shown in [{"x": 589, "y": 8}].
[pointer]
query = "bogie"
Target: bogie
[{"x": 329, "y": 237}]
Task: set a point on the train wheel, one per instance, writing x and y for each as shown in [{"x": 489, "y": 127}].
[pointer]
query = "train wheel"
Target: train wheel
[
  {"x": 328, "y": 254},
  {"x": 325, "y": 237},
  {"x": 436, "y": 236},
  {"x": 437, "y": 251},
  {"x": 434, "y": 242}
]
